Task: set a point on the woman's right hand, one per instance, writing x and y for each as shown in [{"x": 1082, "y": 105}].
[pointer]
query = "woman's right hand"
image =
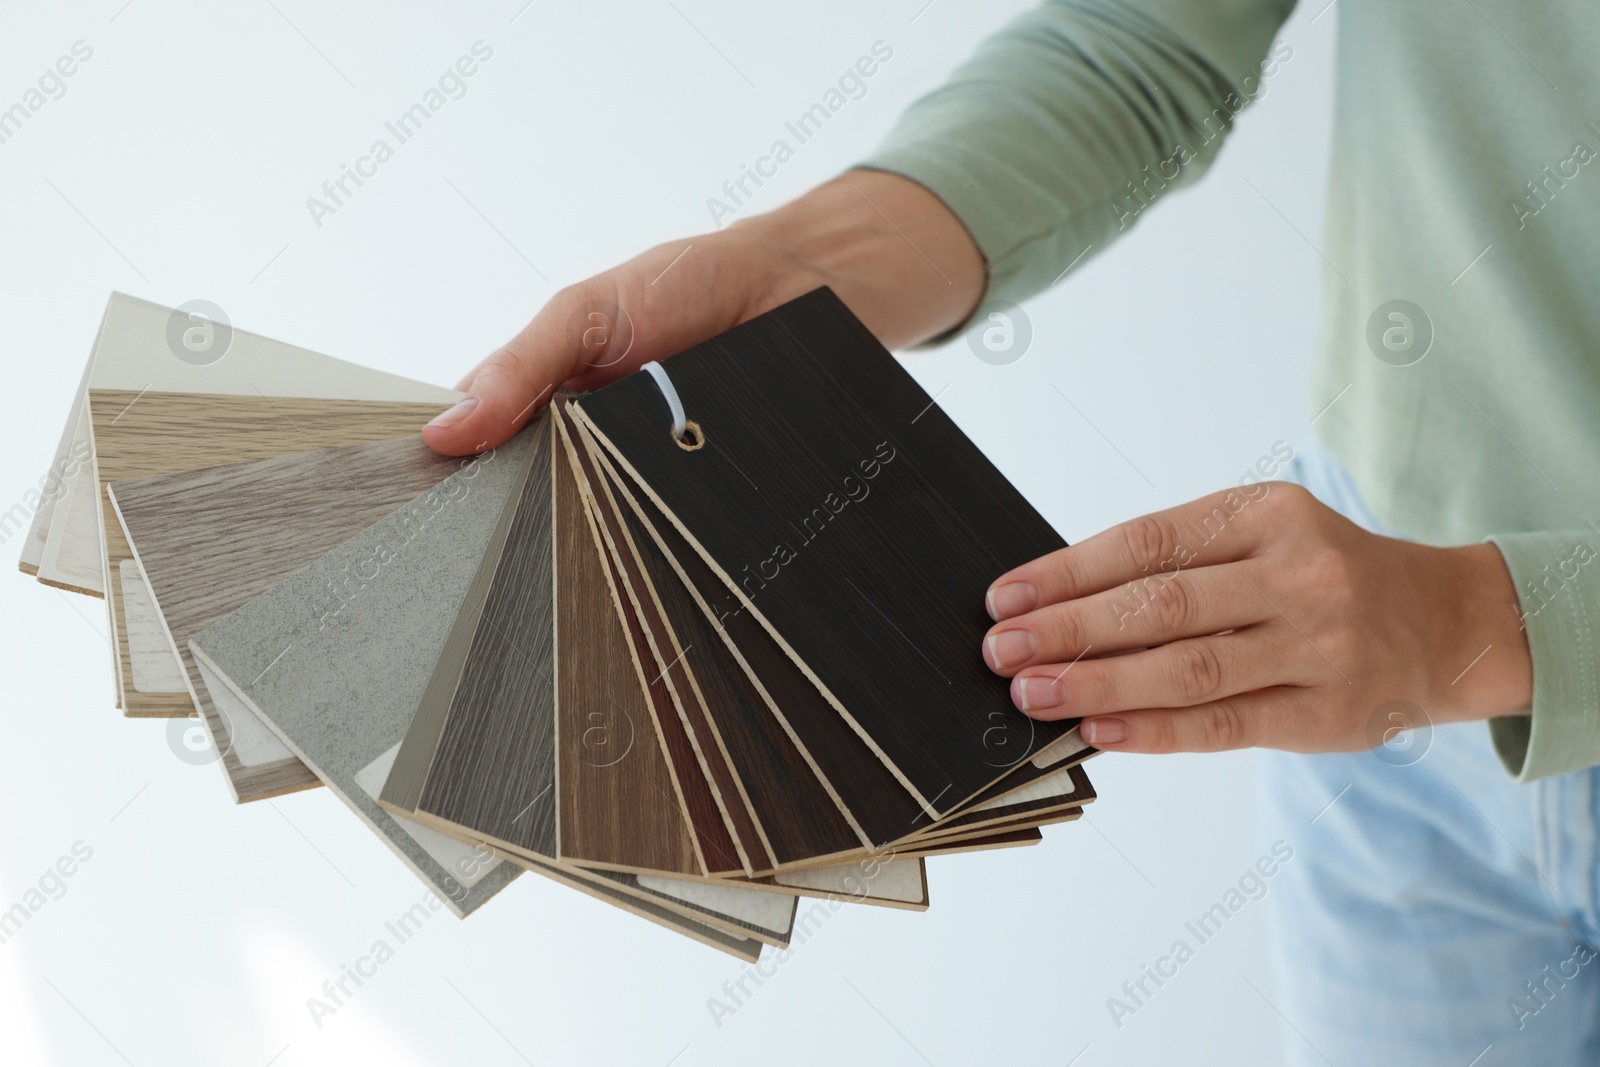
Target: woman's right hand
[{"x": 887, "y": 246}]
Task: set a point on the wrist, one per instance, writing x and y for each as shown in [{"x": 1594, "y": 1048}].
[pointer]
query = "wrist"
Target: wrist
[
  {"x": 1488, "y": 670},
  {"x": 887, "y": 246}
]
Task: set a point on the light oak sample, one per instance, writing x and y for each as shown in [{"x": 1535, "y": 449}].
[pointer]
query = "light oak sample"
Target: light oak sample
[
  {"x": 136, "y": 350},
  {"x": 210, "y": 540},
  {"x": 139, "y": 435}
]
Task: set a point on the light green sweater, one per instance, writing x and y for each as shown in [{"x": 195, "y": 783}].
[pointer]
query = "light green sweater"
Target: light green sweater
[{"x": 1465, "y": 179}]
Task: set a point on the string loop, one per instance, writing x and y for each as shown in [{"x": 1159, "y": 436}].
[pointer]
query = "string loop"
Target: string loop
[{"x": 679, "y": 421}]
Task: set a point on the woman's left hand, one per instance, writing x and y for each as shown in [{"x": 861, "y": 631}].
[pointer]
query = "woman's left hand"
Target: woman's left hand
[{"x": 1257, "y": 617}]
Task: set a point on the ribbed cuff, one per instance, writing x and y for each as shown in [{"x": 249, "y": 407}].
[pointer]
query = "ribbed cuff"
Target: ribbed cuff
[{"x": 1557, "y": 576}]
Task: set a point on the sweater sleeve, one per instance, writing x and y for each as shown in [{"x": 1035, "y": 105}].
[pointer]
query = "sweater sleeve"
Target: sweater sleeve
[
  {"x": 1558, "y": 585},
  {"x": 1063, "y": 127}
]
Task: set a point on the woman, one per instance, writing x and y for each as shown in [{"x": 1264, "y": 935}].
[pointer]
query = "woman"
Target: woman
[{"x": 1458, "y": 394}]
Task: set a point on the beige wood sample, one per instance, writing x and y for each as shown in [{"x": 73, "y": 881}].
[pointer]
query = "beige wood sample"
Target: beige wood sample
[
  {"x": 145, "y": 347},
  {"x": 139, "y": 435}
]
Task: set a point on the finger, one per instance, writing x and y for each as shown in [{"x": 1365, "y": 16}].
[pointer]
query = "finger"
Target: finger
[
  {"x": 515, "y": 382},
  {"x": 1266, "y": 717},
  {"x": 1180, "y": 675},
  {"x": 1215, "y": 529},
  {"x": 1151, "y": 611}
]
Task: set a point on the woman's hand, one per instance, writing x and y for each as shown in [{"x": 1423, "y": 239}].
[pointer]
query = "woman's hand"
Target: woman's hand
[
  {"x": 889, "y": 248},
  {"x": 1256, "y": 617}
]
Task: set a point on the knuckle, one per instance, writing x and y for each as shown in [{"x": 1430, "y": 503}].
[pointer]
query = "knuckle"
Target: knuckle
[
  {"x": 1067, "y": 631},
  {"x": 1150, "y": 539},
  {"x": 1175, "y": 604},
  {"x": 1199, "y": 673},
  {"x": 1160, "y": 733},
  {"x": 1289, "y": 499},
  {"x": 1224, "y": 727}
]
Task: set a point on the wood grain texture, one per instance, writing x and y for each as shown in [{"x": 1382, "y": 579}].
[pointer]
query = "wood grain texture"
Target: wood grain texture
[
  {"x": 614, "y": 788},
  {"x": 135, "y": 351},
  {"x": 209, "y": 541},
  {"x": 786, "y": 786},
  {"x": 856, "y": 521},
  {"x": 801, "y": 819},
  {"x": 480, "y": 754},
  {"x": 719, "y": 849},
  {"x": 334, "y": 657},
  {"x": 138, "y": 435}
]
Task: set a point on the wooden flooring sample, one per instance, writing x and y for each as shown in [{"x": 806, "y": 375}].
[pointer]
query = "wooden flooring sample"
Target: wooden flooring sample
[
  {"x": 858, "y": 524},
  {"x": 798, "y": 816},
  {"x": 137, "y": 350},
  {"x": 615, "y": 805},
  {"x": 468, "y": 764},
  {"x": 334, "y": 657},
  {"x": 484, "y": 749},
  {"x": 720, "y": 825},
  {"x": 137, "y": 436},
  {"x": 210, "y": 540}
]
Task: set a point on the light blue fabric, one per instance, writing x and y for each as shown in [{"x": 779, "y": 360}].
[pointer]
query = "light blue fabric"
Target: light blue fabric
[{"x": 1426, "y": 892}]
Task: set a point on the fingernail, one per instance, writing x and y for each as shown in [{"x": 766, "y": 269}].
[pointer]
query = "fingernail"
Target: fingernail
[
  {"x": 1010, "y": 648},
  {"x": 457, "y": 413},
  {"x": 1104, "y": 731},
  {"x": 1010, "y": 599},
  {"x": 1037, "y": 694}
]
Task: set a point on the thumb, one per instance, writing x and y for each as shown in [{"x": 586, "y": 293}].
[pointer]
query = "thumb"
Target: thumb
[
  {"x": 501, "y": 397},
  {"x": 508, "y": 387}
]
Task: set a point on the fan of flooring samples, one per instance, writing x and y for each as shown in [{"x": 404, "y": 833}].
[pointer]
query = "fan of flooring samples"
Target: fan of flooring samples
[{"x": 702, "y": 644}]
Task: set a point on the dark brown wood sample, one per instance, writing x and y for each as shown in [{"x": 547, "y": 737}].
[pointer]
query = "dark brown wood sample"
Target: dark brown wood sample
[
  {"x": 210, "y": 540},
  {"x": 840, "y": 506},
  {"x": 789, "y": 759},
  {"x": 799, "y": 815},
  {"x": 712, "y": 822},
  {"x": 614, "y": 801}
]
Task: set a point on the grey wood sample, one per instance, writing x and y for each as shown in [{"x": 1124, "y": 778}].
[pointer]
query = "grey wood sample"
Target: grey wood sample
[
  {"x": 210, "y": 540},
  {"x": 334, "y": 657}
]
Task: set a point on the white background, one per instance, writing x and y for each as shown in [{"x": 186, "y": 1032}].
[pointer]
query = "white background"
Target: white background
[{"x": 181, "y": 159}]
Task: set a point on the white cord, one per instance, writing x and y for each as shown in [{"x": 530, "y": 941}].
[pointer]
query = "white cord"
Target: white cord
[{"x": 670, "y": 391}]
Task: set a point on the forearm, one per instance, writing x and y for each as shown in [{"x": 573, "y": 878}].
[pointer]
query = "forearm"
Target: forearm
[{"x": 888, "y": 247}]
